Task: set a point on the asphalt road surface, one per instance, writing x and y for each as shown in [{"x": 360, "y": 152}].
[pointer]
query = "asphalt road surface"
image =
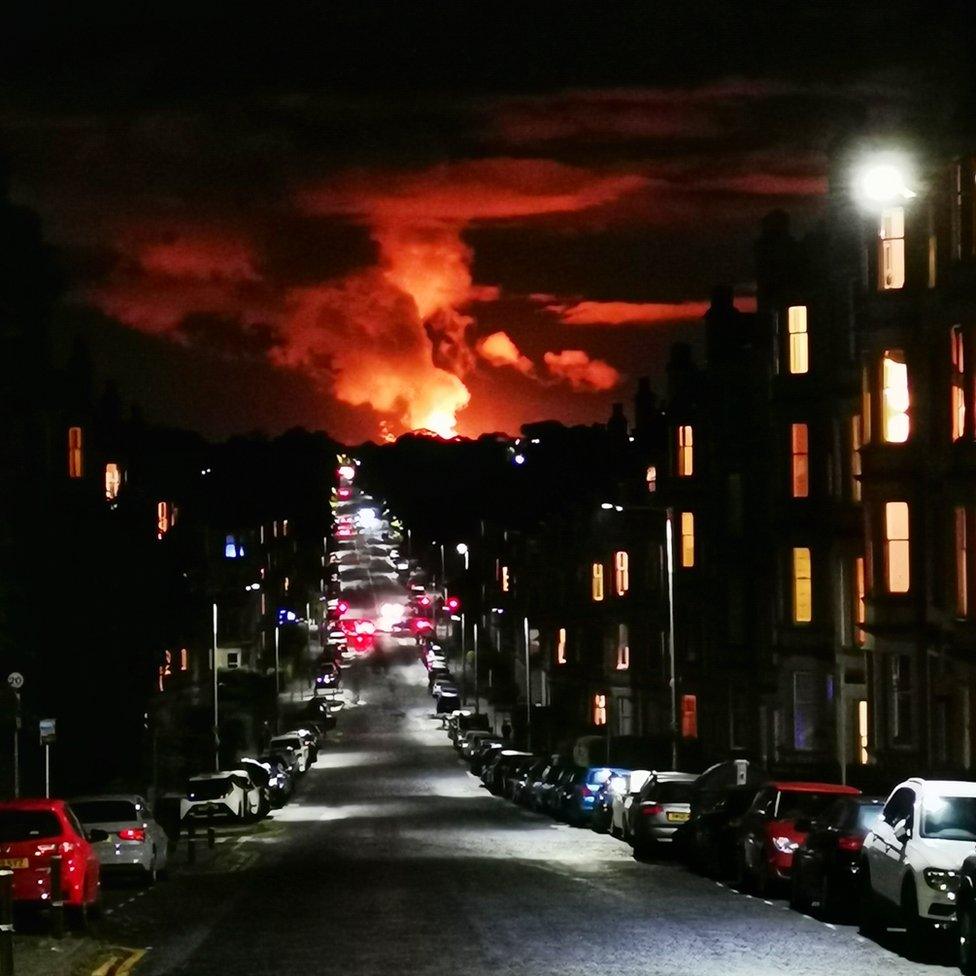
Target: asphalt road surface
[{"x": 393, "y": 860}]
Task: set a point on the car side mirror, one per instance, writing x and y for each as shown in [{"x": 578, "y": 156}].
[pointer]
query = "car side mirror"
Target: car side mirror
[
  {"x": 902, "y": 830},
  {"x": 96, "y": 834}
]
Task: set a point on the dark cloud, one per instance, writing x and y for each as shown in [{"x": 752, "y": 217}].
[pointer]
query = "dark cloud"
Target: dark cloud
[{"x": 228, "y": 337}]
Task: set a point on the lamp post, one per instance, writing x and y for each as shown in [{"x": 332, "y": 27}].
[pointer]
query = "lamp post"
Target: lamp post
[
  {"x": 669, "y": 548},
  {"x": 462, "y": 550},
  {"x": 474, "y": 634},
  {"x": 216, "y": 714},
  {"x": 528, "y": 687},
  {"x": 277, "y": 674}
]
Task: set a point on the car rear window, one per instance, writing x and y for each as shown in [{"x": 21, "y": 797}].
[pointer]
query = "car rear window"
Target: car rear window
[
  {"x": 867, "y": 815},
  {"x": 793, "y": 806},
  {"x": 208, "y": 789},
  {"x": 104, "y": 811},
  {"x": 17, "y": 825},
  {"x": 673, "y": 793}
]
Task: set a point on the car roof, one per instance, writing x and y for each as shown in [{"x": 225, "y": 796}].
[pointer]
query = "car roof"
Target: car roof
[
  {"x": 951, "y": 787},
  {"x": 33, "y": 803},
  {"x": 673, "y": 776},
  {"x": 801, "y": 786}
]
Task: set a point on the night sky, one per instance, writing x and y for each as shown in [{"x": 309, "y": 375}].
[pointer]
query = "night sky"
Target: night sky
[{"x": 367, "y": 220}]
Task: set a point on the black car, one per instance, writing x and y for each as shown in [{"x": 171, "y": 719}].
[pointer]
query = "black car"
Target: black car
[
  {"x": 602, "y": 812},
  {"x": 707, "y": 841},
  {"x": 826, "y": 864},
  {"x": 966, "y": 916}
]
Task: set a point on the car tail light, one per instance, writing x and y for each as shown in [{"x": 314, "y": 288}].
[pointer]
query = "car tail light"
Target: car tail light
[
  {"x": 651, "y": 809},
  {"x": 849, "y": 843},
  {"x": 132, "y": 833}
]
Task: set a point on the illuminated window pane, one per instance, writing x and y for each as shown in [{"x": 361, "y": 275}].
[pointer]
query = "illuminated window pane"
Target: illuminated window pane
[
  {"x": 895, "y": 424},
  {"x": 958, "y": 404},
  {"x": 862, "y": 731},
  {"x": 802, "y": 587},
  {"x": 623, "y": 647},
  {"x": 891, "y": 257},
  {"x": 652, "y": 478},
  {"x": 897, "y": 573},
  {"x": 856, "y": 458},
  {"x": 687, "y": 539},
  {"x": 962, "y": 562},
  {"x": 621, "y": 572},
  {"x": 76, "y": 466},
  {"x": 163, "y": 519},
  {"x": 859, "y": 610},
  {"x": 113, "y": 481},
  {"x": 689, "y": 716},
  {"x": 597, "y": 582},
  {"x": 506, "y": 582},
  {"x": 184, "y": 659},
  {"x": 799, "y": 444},
  {"x": 796, "y": 318},
  {"x": 561, "y": 646},
  {"x": 686, "y": 448},
  {"x": 865, "y": 406},
  {"x": 599, "y": 709}
]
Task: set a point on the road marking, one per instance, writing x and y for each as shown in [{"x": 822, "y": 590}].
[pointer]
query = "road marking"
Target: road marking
[
  {"x": 127, "y": 966},
  {"x": 106, "y": 967}
]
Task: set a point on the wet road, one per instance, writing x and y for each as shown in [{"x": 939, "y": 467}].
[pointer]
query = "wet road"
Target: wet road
[{"x": 392, "y": 858}]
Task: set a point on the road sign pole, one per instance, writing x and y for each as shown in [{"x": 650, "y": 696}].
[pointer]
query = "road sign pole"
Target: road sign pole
[
  {"x": 47, "y": 770},
  {"x": 17, "y": 745}
]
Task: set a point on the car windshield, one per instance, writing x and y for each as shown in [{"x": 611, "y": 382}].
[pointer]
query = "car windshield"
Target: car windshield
[
  {"x": 949, "y": 818},
  {"x": 673, "y": 793},
  {"x": 208, "y": 789},
  {"x": 802, "y": 805},
  {"x": 104, "y": 811},
  {"x": 867, "y": 816},
  {"x": 18, "y": 825}
]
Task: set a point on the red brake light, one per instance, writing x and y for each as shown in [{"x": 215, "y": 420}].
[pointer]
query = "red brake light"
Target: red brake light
[
  {"x": 849, "y": 843},
  {"x": 651, "y": 809},
  {"x": 132, "y": 833},
  {"x": 342, "y": 606}
]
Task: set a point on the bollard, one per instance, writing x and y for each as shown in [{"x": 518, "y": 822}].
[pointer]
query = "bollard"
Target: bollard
[
  {"x": 211, "y": 837},
  {"x": 191, "y": 844},
  {"x": 57, "y": 898},
  {"x": 6, "y": 922}
]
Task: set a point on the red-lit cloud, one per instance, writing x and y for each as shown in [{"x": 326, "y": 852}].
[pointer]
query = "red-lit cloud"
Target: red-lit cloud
[
  {"x": 498, "y": 349},
  {"x": 583, "y": 374},
  {"x": 637, "y": 313}
]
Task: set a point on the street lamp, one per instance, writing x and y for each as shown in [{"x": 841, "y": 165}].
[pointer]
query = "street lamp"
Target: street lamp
[
  {"x": 883, "y": 179},
  {"x": 462, "y": 550}
]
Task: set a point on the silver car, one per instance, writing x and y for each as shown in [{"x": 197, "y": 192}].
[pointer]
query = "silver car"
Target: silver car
[
  {"x": 661, "y": 807},
  {"x": 136, "y": 842}
]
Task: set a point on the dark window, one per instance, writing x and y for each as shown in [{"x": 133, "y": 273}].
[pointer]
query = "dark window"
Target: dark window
[
  {"x": 209, "y": 789},
  {"x": 673, "y": 793},
  {"x": 899, "y": 807},
  {"x": 104, "y": 811},
  {"x": 792, "y": 806},
  {"x": 18, "y": 825}
]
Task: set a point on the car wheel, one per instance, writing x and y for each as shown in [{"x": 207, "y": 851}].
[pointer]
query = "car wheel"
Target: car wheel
[{"x": 967, "y": 933}]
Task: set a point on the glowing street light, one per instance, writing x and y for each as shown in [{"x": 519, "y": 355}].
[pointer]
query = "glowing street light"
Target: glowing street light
[{"x": 883, "y": 181}]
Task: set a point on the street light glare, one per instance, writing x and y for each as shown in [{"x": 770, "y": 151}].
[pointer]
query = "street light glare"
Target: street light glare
[
  {"x": 462, "y": 549},
  {"x": 884, "y": 182}
]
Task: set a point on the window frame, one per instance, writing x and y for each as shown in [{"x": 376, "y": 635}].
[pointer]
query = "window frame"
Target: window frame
[
  {"x": 897, "y": 549},
  {"x": 801, "y": 584},
  {"x": 800, "y": 460},
  {"x": 798, "y": 339}
]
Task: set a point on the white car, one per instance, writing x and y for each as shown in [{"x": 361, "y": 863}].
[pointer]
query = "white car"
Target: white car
[
  {"x": 228, "y": 793},
  {"x": 911, "y": 859},
  {"x": 293, "y": 741},
  {"x": 135, "y": 841},
  {"x": 623, "y": 800}
]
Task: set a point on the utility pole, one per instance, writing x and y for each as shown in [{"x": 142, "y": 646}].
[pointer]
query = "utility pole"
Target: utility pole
[
  {"x": 669, "y": 550},
  {"x": 477, "y": 700},
  {"x": 216, "y": 713},
  {"x": 528, "y": 687},
  {"x": 277, "y": 676}
]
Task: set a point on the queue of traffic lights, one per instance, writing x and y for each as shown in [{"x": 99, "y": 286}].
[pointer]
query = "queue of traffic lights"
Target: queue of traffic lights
[
  {"x": 60, "y": 851},
  {"x": 904, "y": 861}
]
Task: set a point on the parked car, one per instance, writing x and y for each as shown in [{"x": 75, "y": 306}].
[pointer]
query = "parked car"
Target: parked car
[
  {"x": 707, "y": 842},
  {"x": 448, "y": 699},
  {"x": 134, "y": 841},
  {"x": 30, "y": 832},
  {"x": 770, "y": 830},
  {"x": 466, "y": 722},
  {"x": 601, "y": 816},
  {"x": 966, "y": 916},
  {"x": 663, "y": 805},
  {"x": 472, "y": 740},
  {"x": 522, "y": 780},
  {"x": 826, "y": 864},
  {"x": 298, "y": 745},
  {"x": 622, "y": 800},
  {"x": 547, "y": 781},
  {"x": 484, "y": 751},
  {"x": 260, "y": 775},
  {"x": 281, "y": 781},
  {"x": 329, "y": 675},
  {"x": 912, "y": 858},
  {"x": 579, "y": 793},
  {"x": 228, "y": 793},
  {"x": 496, "y": 776}
]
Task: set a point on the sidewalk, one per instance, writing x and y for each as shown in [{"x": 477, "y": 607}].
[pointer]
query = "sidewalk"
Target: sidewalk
[{"x": 74, "y": 955}]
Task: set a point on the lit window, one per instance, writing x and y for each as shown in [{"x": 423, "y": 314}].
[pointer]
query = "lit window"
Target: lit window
[
  {"x": 865, "y": 406},
  {"x": 895, "y": 424},
  {"x": 506, "y": 583},
  {"x": 689, "y": 716},
  {"x": 799, "y": 445},
  {"x": 796, "y": 323},
  {"x": 599, "y": 709},
  {"x": 284, "y": 527},
  {"x": 856, "y": 458},
  {"x": 686, "y": 449},
  {"x": 896, "y": 549},
  {"x": 802, "y": 586},
  {"x": 184, "y": 659},
  {"x": 621, "y": 572},
  {"x": 113, "y": 481},
  {"x": 597, "y": 582},
  {"x": 561, "y": 646},
  {"x": 623, "y": 647},
  {"x": 164, "y": 519},
  {"x": 962, "y": 562},
  {"x": 76, "y": 466},
  {"x": 651, "y": 478},
  {"x": 230, "y": 547},
  {"x": 287, "y": 586},
  {"x": 958, "y": 405},
  {"x": 862, "y": 731},
  {"x": 687, "y": 540},
  {"x": 859, "y": 610},
  {"x": 891, "y": 255}
]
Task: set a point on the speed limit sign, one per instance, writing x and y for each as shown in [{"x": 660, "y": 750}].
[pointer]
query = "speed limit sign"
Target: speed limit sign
[{"x": 16, "y": 680}]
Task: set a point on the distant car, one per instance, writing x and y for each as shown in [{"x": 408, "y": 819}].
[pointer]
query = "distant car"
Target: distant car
[
  {"x": 220, "y": 794},
  {"x": 768, "y": 832},
  {"x": 521, "y": 787},
  {"x": 546, "y": 782},
  {"x": 826, "y": 865},
  {"x": 30, "y": 832},
  {"x": 329, "y": 675},
  {"x": 579, "y": 795},
  {"x": 910, "y": 870},
  {"x": 708, "y": 841},
  {"x": 621, "y": 802},
  {"x": 293, "y": 741},
  {"x": 471, "y": 741},
  {"x": 661, "y": 807},
  {"x": 281, "y": 781},
  {"x": 601, "y": 816},
  {"x": 134, "y": 840},
  {"x": 484, "y": 752}
]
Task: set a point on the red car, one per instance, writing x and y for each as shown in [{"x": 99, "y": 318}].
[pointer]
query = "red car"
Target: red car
[
  {"x": 767, "y": 835},
  {"x": 30, "y": 832}
]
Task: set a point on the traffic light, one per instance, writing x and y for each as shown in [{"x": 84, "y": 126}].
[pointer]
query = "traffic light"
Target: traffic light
[{"x": 453, "y": 604}]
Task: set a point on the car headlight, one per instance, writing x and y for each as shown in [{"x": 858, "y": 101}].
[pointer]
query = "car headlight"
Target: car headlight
[
  {"x": 942, "y": 880},
  {"x": 785, "y": 845}
]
